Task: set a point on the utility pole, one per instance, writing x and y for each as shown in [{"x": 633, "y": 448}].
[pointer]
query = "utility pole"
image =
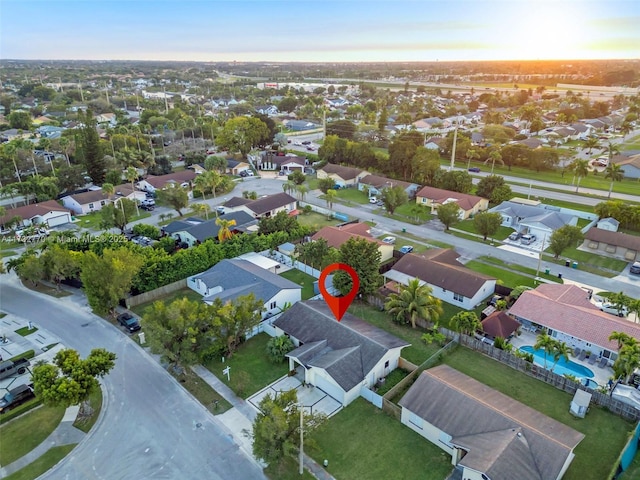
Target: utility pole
[
  {"x": 301, "y": 441},
  {"x": 453, "y": 150},
  {"x": 106, "y": 92},
  {"x": 166, "y": 104},
  {"x": 324, "y": 122},
  {"x": 81, "y": 94}
]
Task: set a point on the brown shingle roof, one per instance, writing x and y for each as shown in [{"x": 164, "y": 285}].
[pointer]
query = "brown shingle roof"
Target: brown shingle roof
[
  {"x": 504, "y": 438},
  {"x": 271, "y": 202},
  {"x": 27, "y": 212},
  {"x": 346, "y": 173},
  {"x": 89, "y": 197},
  {"x": 177, "y": 177},
  {"x": 499, "y": 324},
  {"x": 439, "y": 267},
  {"x": 440, "y": 196},
  {"x": 545, "y": 306},
  {"x": 335, "y": 236},
  {"x": 618, "y": 239},
  {"x": 383, "y": 182},
  {"x": 624, "y": 160}
]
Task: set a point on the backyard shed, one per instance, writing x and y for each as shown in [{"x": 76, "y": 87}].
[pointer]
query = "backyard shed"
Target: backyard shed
[{"x": 580, "y": 403}]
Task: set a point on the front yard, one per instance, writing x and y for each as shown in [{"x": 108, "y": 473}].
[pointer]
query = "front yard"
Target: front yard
[
  {"x": 605, "y": 433},
  {"x": 364, "y": 442},
  {"x": 250, "y": 367},
  {"x": 167, "y": 299},
  {"x": 316, "y": 220}
]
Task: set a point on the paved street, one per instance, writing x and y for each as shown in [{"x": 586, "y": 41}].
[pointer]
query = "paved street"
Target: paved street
[{"x": 150, "y": 427}]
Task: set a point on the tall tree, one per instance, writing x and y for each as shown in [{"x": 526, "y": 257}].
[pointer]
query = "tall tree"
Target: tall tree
[
  {"x": 466, "y": 323},
  {"x": 487, "y": 223},
  {"x": 412, "y": 302},
  {"x": 224, "y": 232},
  {"x": 70, "y": 380},
  {"x": 177, "y": 197},
  {"x": 364, "y": 257},
  {"x": 117, "y": 214},
  {"x": 241, "y": 134},
  {"x": 614, "y": 172},
  {"x": 560, "y": 350},
  {"x": 393, "y": 197},
  {"x": 108, "y": 278},
  {"x": 449, "y": 214},
  {"x": 546, "y": 343},
  {"x": 564, "y": 237},
  {"x": 580, "y": 169},
  {"x": 330, "y": 198},
  {"x": 91, "y": 149},
  {"x": 494, "y": 157}
]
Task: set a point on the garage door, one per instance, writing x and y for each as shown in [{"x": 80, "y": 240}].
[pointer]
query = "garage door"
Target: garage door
[
  {"x": 59, "y": 220},
  {"x": 329, "y": 388}
]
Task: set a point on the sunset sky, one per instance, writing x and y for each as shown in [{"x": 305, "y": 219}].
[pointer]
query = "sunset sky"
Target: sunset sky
[{"x": 319, "y": 31}]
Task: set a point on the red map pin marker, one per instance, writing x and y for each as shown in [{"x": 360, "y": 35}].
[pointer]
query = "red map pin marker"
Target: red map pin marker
[{"x": 339, "y": 305}]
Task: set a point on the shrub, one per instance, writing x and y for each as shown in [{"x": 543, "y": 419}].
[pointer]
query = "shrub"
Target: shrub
[{"x": 278, "y": 347}]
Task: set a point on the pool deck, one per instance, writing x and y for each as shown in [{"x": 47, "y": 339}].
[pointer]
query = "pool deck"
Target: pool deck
[{"x": 600, "y": 375}]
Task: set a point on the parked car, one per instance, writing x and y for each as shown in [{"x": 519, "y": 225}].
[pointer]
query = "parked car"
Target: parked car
[
  {"x": 373, "y": 200},
  {"x": 311, "y": 149},
  {"x": 527, "y": 239},
  {"x": 16, "y": 367},
  {"x": 129, "y": 322},
  {"x": 16, "y": 396},
  {"x": 220, "y": 210},
  {"x": 306, "y": 142},
  {"x": 514, "y": 236},
  {"x": 406, "y": 249},
  {"x": 389, "y": 240},
  {"x": 635, "y": 268},
  {"x": 474, "y": 169},
  {"x": 148, "y": 208},
  {"x": 612, "y": 309},
  {"x": 380, "y": 203}
]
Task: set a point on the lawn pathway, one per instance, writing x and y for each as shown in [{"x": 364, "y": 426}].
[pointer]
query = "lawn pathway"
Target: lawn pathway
[{"x": 248, "y": 414}]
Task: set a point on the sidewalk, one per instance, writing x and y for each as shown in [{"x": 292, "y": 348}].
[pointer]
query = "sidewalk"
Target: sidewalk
[
  {"x": 64, "y": 434},
  {"x": 241, "y": 417}
]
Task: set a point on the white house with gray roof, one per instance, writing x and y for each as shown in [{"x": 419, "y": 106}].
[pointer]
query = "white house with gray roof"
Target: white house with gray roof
[
  {"x": 194, "y": 234},
  {"x": 232, "y": 278},
  {"x": 540, "y": 221},
  {"x": 339, "y": 358}
]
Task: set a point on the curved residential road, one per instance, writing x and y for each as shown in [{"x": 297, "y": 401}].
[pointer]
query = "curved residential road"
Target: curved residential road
[{"x": 150, "y": 427}]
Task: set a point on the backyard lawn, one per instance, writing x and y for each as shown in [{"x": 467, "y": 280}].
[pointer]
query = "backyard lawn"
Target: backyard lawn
[
  {"x": 364, "y": 442},
  {"x": 316, "y": 220},
  {"x": 167, "y": 299},
  {"x": 347, "y": 195},
  {"x": 251, "y": 358},
  {"x": 301, "y": 278},
  {"x": 604, "y": 432},
  {"x": 418, "y": 352}
]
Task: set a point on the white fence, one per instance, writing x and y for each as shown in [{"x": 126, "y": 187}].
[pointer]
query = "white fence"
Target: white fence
[{"x": 371, "y": 396}]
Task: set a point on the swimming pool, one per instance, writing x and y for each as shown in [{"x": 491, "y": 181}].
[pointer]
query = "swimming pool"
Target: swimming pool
[{"x": 562, "y": 367}]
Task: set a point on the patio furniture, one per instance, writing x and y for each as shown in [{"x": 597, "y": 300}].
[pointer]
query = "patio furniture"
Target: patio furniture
[
  {"x": 583, "y": 355},
  {"x": 576, "y": 352},
  {"x": 603, "y": 362},
  {"x": 592, "y": 359}
]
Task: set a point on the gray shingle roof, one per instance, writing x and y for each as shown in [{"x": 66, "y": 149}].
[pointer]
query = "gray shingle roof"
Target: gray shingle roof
[
  {"x": 209, "y": 229},
  {"x": 504, "y": 438},
  {"x": 347, "y": 350},
  {"x": 240, "y": 277}
]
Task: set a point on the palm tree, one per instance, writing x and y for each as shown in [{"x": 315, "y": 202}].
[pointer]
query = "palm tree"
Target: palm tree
[
  {"x": 494, "y": 156},
  {"x": 201, "y": 184},
  {"x": 224, "y": 233},
  {"x": 580, "y": 169},
  {"x": 615, "y": 173},
  {"x": 634, "y": 307},
  {"x": 546, "y": 343},
  {"x": 622, "y": 338},
  {"x": 471, "y": 154},
  {"x": 330, "y": 197},
  {"x": 590, "y": 143},
  {"x": 466, "y": 323},
  {"x": 627, "y": 362},
  {"x": 560, "y": 350},
  {"x": 289, "y": 186},
  {"x": 132, "y": 176},
  {"x": 302, "y": 191},
  {"x": 413, "y": 301},
  {"x": 201, "y": 208},
  {"x": 611, "y": 149},
  {"x": 213, "y": 179}
]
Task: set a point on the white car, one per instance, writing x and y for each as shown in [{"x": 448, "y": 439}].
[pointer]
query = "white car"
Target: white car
[
  {"x": 389, "y": 240},
  {"x": 373, "y": 200},
  {"x": 612, "y": 309}
]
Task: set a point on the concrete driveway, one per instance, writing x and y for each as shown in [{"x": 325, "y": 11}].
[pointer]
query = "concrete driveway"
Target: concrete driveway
[{"x": 313, "y": 399}]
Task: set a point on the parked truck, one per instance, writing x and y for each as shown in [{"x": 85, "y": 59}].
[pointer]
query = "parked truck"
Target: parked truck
[
  {"x": 17, "y": 367},
  {"x": 16, "y": 397}
]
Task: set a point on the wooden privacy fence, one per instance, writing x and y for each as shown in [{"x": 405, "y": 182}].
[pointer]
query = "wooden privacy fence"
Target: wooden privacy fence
[
  {"x": 617, "y": 407},
  {"x": 155, "y": 294}
]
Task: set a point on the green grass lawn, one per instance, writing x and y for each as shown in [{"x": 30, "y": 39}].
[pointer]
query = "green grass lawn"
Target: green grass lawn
[
  {"x": 411, "y": 210},
  {"x": 316, "y": 220},
  {"x": 95, "y": 401},
  {"x": 24, "y": 434},
  {"x": 252, "y": 359},
  {"x": 200, "y": 389},
  {"x": 352, "y": 195},
  {"x": 167, "y": 299},
  {"x": 591, "y": 260},
  {"x": 42, "y": 464},
  {"x": 469, "y": 227},
  {"x": 24, "y": 331},
  {"x": 509, "y": 279},
  {"x": 392, "y": 380},
  {"x": 520, "y": 268},
  {"x": 604, "y": 432},
  {"x": 418, "y": 352},
  {"x": 287, "y": 470},
  {"x": 363, "y": 442},
  {"x": 301, "y": 278},
  {"x": 92, "y": 220}
]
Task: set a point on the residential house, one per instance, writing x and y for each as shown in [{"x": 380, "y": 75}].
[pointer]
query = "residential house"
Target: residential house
[
  {"x": 280, "y": 162},
  {"x": 426, "y": 124},
  {"x": 341, "y": 175},
  {"x": 300, "y": 125},
  {"x": 152, "y": 183},
  {"x": 470, "y": 205},
  {"x": 194, "y": 234},
  {"x": 339, "y": 358},
  {"x": 177, "y": 225},
  {"x": 94, "y": 200},
  {"x": 537, "y": 220},
  {"x": 108, "y": 119},
  {"x": 232, "y": 278},
  {"x": 609, "y": 224},
  {"x": 336, "y": 236},
  {"x": 630, "y": 165},
  {"x": 375, "y": 184},
  {"x": 48, "y": 213},
  {"x": 565, "y": 313},
  {"x": 488, "y": 434},
  {"x": 612, "y": 244},
  {"x": 265, "y": 206},
  {"x": 236, "y": 167},
  {"x": 450, "y": 280},
  {"x": 270, "y": 110},
  {"x": 530, "y": 142},
  {"x": 499, "y": 324}
]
